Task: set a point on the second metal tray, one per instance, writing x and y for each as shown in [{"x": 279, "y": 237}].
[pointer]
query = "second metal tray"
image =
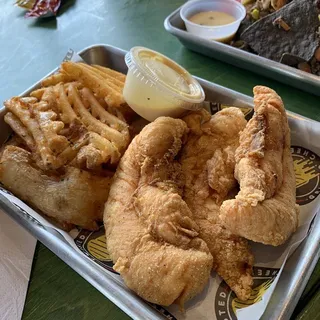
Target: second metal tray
[{"x": 242, "y": 59}]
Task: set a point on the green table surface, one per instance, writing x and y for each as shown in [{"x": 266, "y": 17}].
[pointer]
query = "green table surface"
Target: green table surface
[{"x": 31, "y": 48}]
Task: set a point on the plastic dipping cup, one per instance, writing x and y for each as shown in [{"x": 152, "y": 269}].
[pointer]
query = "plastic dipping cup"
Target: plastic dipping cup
[
  {"x": 223, "y": 33},
  {"x": 156, "y": 86}
]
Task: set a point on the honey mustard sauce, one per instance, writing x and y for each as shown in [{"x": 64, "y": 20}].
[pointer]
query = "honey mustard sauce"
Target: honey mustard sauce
[{"x": 212, "y": 18}]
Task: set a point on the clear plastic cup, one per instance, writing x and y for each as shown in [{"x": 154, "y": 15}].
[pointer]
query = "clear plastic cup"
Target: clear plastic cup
[
  {"x": 223, "y": 33},
  {"x": 157, "y": 86}
]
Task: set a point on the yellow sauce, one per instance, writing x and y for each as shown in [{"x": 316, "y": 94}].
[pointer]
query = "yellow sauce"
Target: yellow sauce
[
  {"x": 156, "y": 86},
  {"x": 148, "y": 101},
  {"x": 168, "y": 75},
  {"x": 212, "y": 18}
]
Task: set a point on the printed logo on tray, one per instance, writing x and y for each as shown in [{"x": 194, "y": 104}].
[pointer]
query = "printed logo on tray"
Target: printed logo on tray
[
  {"x": 307, "y": 170},
  {"x": 215, "y": 107},
  {"x": 93, "y": 245},
  {"x": 226, "y": 302}
]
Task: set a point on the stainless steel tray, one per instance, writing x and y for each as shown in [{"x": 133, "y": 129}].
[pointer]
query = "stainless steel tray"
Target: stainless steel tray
[
  {"x": 242, "y": 59},
  {"x": 296, "y": 271}
]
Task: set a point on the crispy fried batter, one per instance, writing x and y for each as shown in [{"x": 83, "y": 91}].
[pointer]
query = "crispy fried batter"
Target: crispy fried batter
[
  {"x": 151, "y": 235},
  {"x": 264, "y": 210},
  {"x": 62, "y": 197},
  {"x": 208, "y": 162}
]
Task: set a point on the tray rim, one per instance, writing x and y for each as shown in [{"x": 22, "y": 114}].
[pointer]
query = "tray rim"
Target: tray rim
[
  {"x": 275, "y": 67},
  {"x": 65, "y": 251}
]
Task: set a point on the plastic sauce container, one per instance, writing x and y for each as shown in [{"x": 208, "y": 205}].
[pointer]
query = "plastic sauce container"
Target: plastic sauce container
[
  {"x": 223, "y": 33},
  {"x": 157, "y": 86}
]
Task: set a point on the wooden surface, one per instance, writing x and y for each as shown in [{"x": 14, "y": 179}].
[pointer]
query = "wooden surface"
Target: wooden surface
[{"x": 32, "y": 48}]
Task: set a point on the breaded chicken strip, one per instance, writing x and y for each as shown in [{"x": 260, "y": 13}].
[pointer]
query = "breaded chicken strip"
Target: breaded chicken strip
[
  {"x": 151, "y": 235},
  {"x": 264, "y": 210},
  {"x": 208, "y": 163},
  {"x": 73, "y": 197}
]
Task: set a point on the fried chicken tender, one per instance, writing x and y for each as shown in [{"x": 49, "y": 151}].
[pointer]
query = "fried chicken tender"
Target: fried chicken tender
[
  {"x": 208, "y": 163},
  {"x": 151, "y": 235},
  {"x": 264, "y": 210},
  {"x": 62, "y": 197}
]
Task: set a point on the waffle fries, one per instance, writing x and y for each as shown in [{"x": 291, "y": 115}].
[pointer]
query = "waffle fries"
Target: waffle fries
[
  {"x": 68, "y": 119},
  {"x": 99, "y": 81},
  {"x": 69, "y": 135}
]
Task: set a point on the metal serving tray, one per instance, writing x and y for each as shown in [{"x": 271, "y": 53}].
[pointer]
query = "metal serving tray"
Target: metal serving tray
[
  {"x": 296, "y": 271},
  {"x": 242, "y": 59}
]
